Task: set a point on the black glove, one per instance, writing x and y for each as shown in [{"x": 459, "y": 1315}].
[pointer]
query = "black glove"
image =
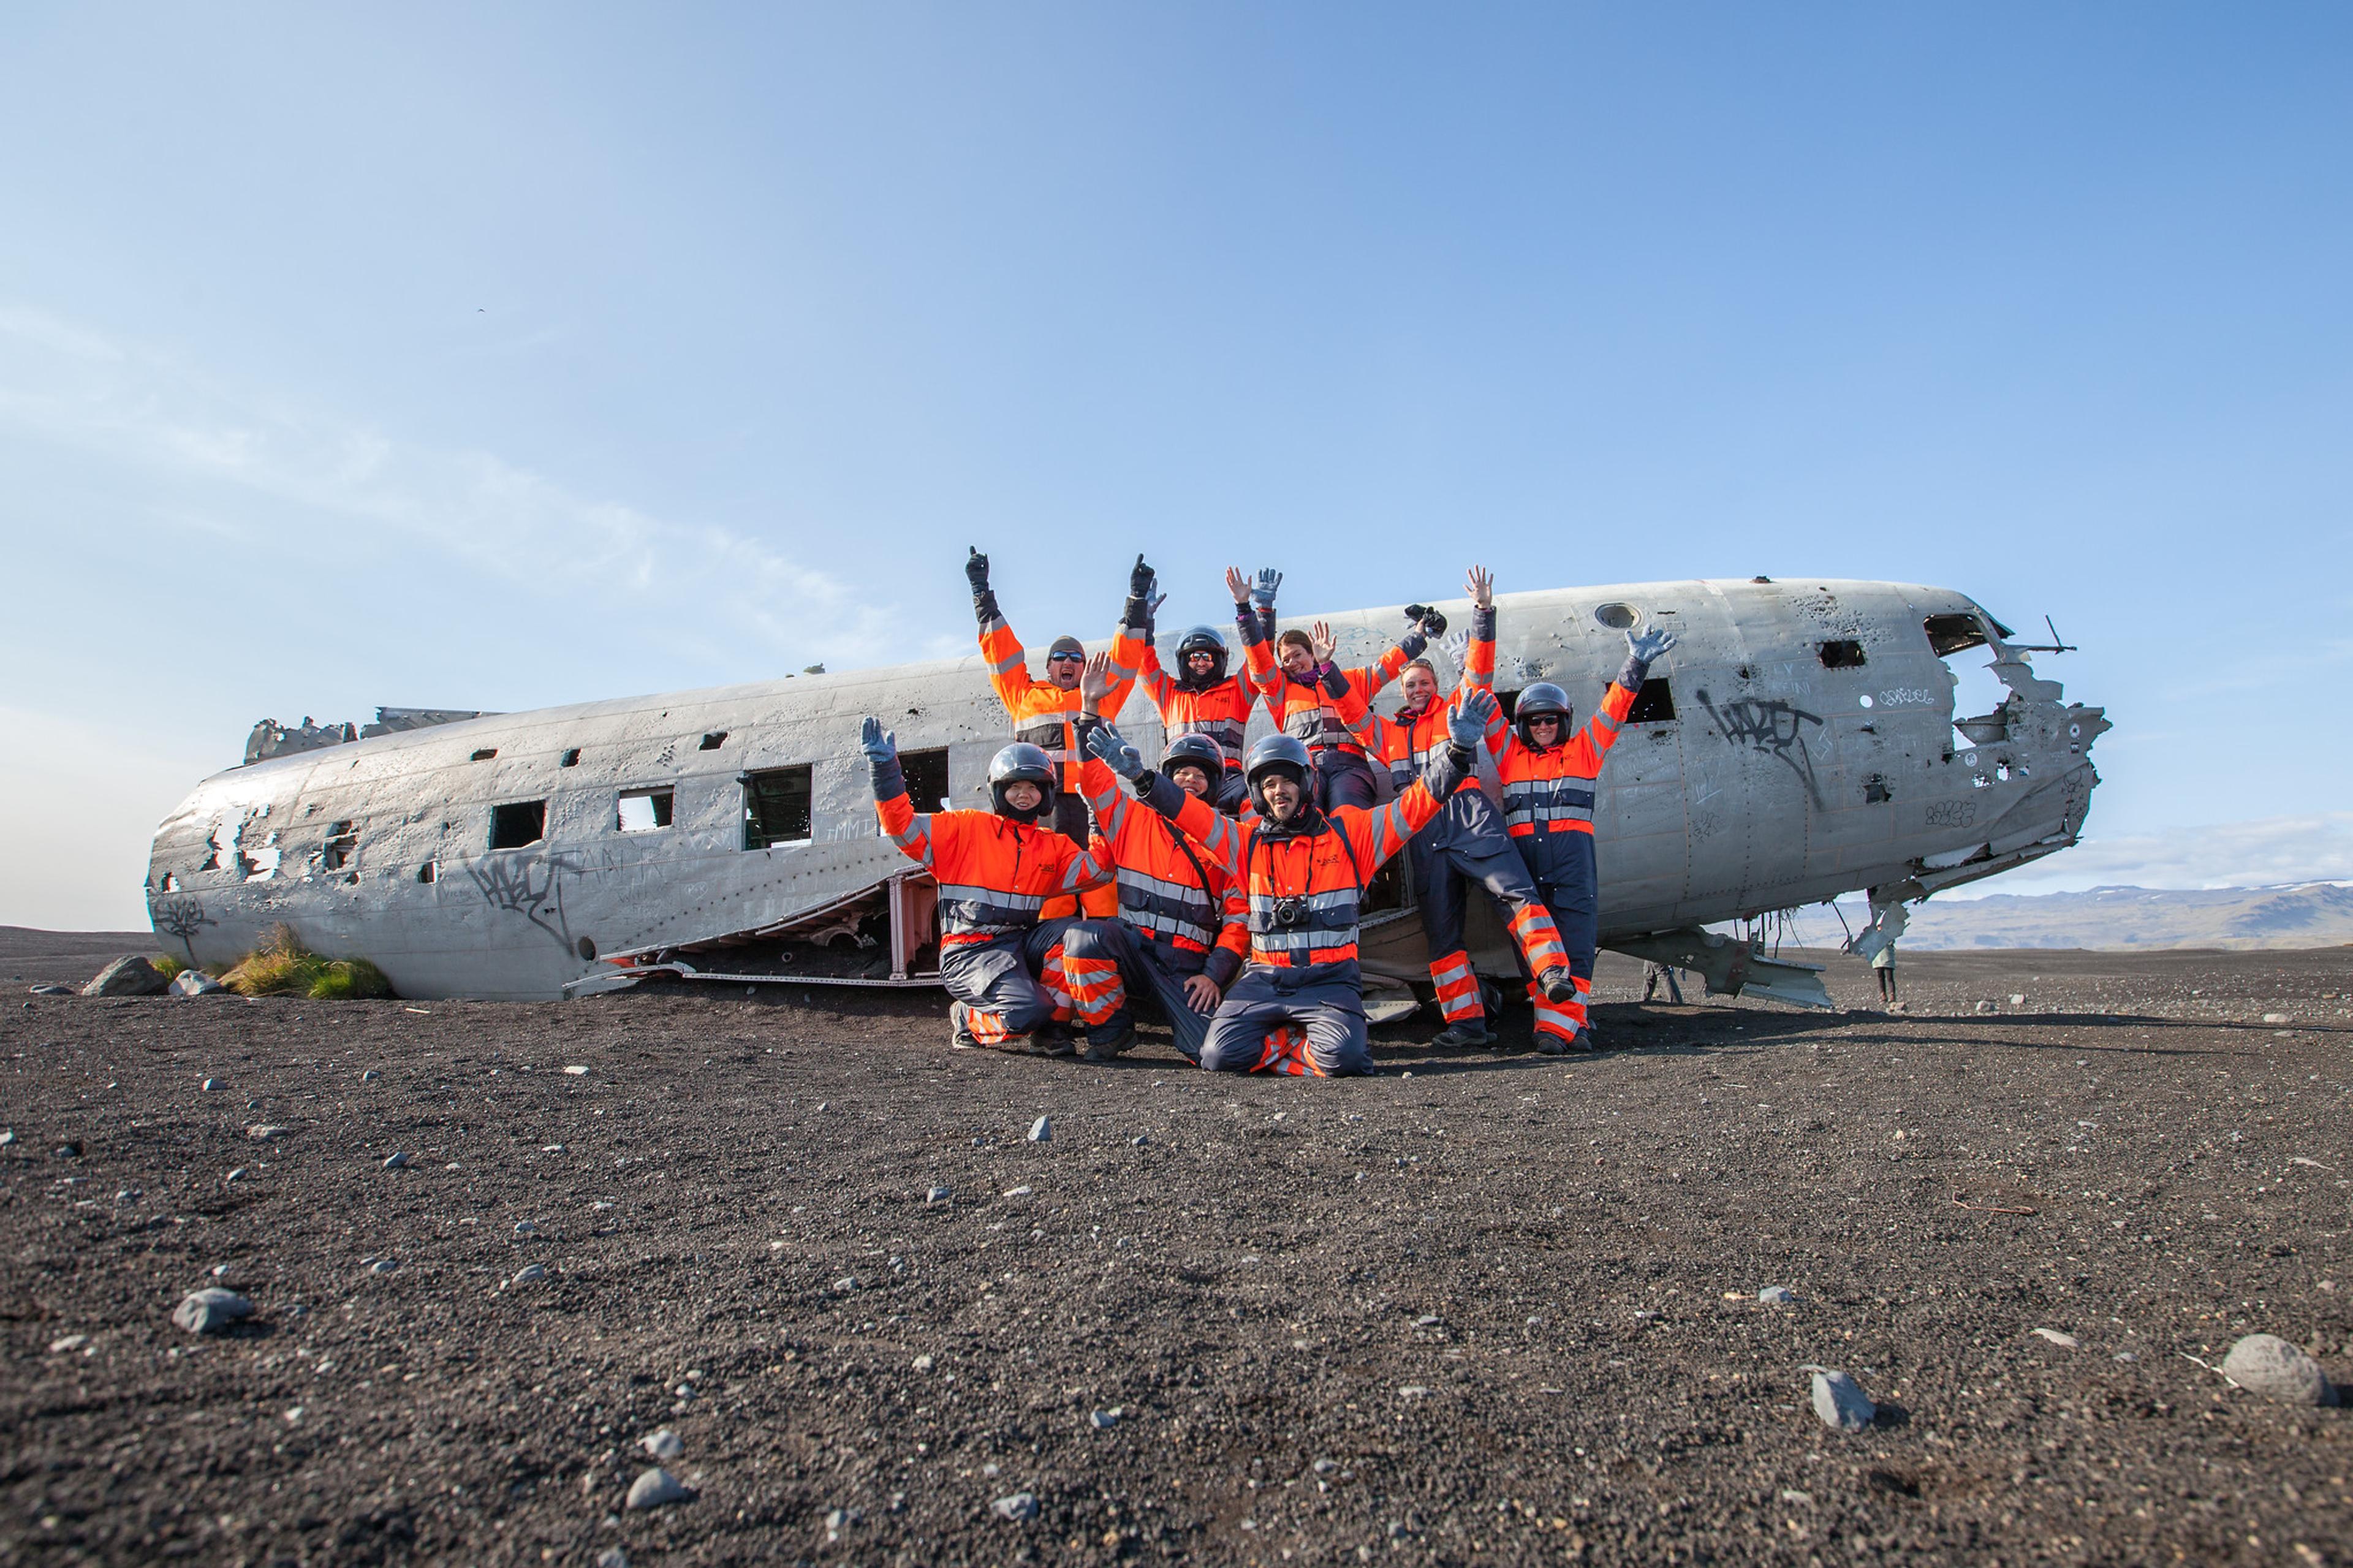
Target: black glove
[
  {"x": 975, "y": 572},
  {"x": 1140, "y": 580}
]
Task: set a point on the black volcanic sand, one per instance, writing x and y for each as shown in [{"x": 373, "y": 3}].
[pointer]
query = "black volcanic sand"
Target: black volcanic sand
[{"x": 1501, "y": 1310}]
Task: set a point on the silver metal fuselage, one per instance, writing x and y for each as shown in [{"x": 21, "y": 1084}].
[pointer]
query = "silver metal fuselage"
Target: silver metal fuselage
[{"x": 1785, "y": 776}]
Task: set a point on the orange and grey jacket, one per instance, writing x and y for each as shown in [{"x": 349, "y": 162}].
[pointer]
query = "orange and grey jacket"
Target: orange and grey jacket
[
  {"x": 1322, "y": 709},
  {"x": 1222, "y": 711},
  {"x": 1303, "y": 886},
  {"x": 1043, "y": 713},
  {"x": 1407, "y": 740},
  {"x": 1171, "y": 890},
  {"x": 1550, "y": 792},
  {"x": 995, "y": 874}
]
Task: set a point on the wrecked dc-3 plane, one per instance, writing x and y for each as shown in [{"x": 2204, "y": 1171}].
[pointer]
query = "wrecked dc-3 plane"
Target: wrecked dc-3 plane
[{"x": 1799, "y": 743}]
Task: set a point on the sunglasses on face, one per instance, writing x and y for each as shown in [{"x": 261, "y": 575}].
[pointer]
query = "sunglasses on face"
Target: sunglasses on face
[{"x": 1066, "y": 658}]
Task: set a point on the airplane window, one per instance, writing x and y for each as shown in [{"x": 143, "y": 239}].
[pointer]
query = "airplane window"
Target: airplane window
[
  {"x": 715, "y": 740},
  {"x": 570, "y": 758},
  {"x": 342, "y": 841},
  {"x": 512, "y": 826},
  {"x": 1655, "y": 704},
  {"x": 644, "y": 810},
  {"x": 1842, "y": 653},
  {"x": 485, "y": 754},
  {"x": 1950, "y": 635},
  {"x": 927, "y": 778},
  {"x": 776, "y": 807}
]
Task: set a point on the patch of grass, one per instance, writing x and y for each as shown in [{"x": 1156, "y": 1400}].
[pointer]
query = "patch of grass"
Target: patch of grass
[
  {"x": 282, "y": 967},
  {"x": 166, "y": 965}
]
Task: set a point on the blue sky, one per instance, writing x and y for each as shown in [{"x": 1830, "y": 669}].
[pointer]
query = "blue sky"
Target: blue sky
[{"x": 504, "y": 356}]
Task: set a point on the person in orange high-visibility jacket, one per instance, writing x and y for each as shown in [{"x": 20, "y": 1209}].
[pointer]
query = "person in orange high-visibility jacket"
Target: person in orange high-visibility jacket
[
  {"x": 1174, "y": 898},
  {"x": 1548, "y": 777},
  {"x": 1202, "y": 699},
  {"x": 997, "y": 871},
  {"x": 1044, "y": 713},
  {"x": 1300, "y": 693},
  {"x": 1298, "y": 1006},
  {"x": 1466, "y": 842}
]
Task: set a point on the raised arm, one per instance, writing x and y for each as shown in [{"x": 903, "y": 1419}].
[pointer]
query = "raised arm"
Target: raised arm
[
  {"x": 1601, "y": 732},
  {"x": 1427, "y": 623},
  {"x": 911, "y": 830},
  {"x": 1259, "y": 671},
  {"x": 1211, "y": 829},
  {"x": 1009, "y": 663},
  {"x": 1380, "y": 833},
  {"x": 1131, "y": 643},
  {"x": 1479, "y": 657}
]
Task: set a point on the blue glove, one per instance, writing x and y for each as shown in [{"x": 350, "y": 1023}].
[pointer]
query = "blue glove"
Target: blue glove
[
  {"x": 1648, "y": 646},
  {"x": 1115, "y": 752},
  {"x": 1262, "y": 591},
  {"x": 1466, "y": 727},
  {"x": 880, "y": 745}
]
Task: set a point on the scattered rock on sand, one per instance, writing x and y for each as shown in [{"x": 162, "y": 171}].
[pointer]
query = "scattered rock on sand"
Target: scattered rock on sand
[
  {"x": 1842, "y": 1407},
  {"x": 370, "y": 1076},
  {"x": 2269, "y": 1366},
  {"x": 925, "y": 1363},
  {"x": 395, "y": 1160},
  {"x": 937, "y": 1195},
  {"x": 1778, "y": 1296},
  {"x": 210, "y": 1309},
  {"x": 1040, "y": 1130},
  {"x": 663, "y": 1444},
  {"x": 2064, "y": 1341},
  {"x": 532, "y": 1274},
  {"x": 612, "y": 1557},
  {"x": 1986, "y": 1006},
  {"x": 53, "y": 990},
  {"x": 196, "y": 982},
  {"x": 131, "y": 976},
  {"x": 1020, "y": 1505},
  {"x": 264, "y": 1132},
  {"x": 655, "y": 1488},
  {"x": 2268, "y": 1017}
]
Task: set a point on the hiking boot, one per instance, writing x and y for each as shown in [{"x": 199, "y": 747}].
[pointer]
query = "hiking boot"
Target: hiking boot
[
  {"x": 1462, "y": 1032},
  {"x": 1551, "y": 1045},
  {"x": 1558, "y": 983},
  {"x": 1106, "y": 1050},
  {"x": 960, "y": 1029},
  {"x": 1585, "y": 1041}
]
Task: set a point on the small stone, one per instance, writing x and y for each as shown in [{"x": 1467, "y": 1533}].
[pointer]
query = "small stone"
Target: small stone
[
  {"x": 1428, "y": 1320},
  {"x": 925, "y": 1363},
  {"x": 1842, "y": 1407},
  {"x": 612, "y": 1557},
  {"x": 2063, "y": 1341},
  {"x": 2277, "y": 1019},
  {"x": 51, "y": 991},
  {"x": 210, "y": 1085},
  {"x": 210, "y": 1309},
  {"x": 265, "y": 1132},
  {"x": 69, "y": 1150},
  {"x": 577, "y": 1070},
  {"x": 1019, "y": 1506},
  {"x": 370, "y": 1076},
  {"x": 525, "y": 1227},
  {"x": 1986, "y": 1006},
  {"x": 223, "y": 1271},
  {"x": 1141, "y": 1140},
  {"x": 837, "y": 1519},
  {"x": 655, "y": 1488},
  {"x": 382, "y": 1265},
  {"x": 1104, "y": 1420},
  {"x": 2018, "y": 999},
  {"x": 531, "y": 1274},
  {"x": 236, "y": 1175},
  {"x": 196, "y": 982},
  {"x": 131, "y": 977},
  {"x": 126, "y": 1197},
  {"x": 2268, "y": 1365},
  {"x": 67, "y": 1342},
  {"x": 397, "y": 1161},
  {"x": 846, "y": 1284},
  {"x": 1015, "y": 1193},
  {"x": 937, "y": 1195},
  {"x": 7, "y": 1136},
  {"x": 663, "y": 1444},
  {"x": 1778, "y": 1296},
  {"x": 551, "y": 1148},
  {"x": 1040, "y": 1130}
]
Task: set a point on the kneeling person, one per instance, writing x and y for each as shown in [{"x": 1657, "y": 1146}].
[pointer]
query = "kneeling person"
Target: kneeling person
[
  {"x": 995, "y": 869},
  {"x": 1302, "y": 870}
]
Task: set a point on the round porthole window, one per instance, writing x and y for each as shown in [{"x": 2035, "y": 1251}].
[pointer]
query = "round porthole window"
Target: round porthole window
[
  {"x": 1616, "y": 617},
  {"x": 1971, "y": 760},
  {"x": 1866, "y": 699}
]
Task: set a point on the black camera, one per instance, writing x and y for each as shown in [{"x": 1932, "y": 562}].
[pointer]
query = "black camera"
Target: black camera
[
  {"x": 1289, "y": 912},
  {"x": 1431, "y": 620}
]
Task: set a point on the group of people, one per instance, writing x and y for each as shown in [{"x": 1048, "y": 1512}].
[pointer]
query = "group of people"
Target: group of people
[{"x": 1227, "y": 888}]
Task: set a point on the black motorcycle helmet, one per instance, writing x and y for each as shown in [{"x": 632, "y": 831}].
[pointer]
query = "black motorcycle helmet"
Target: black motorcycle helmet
[
  {"x": 1194, "y": 750},
  {"x": 1541, "y": 700},
  {"x": 1272, "y": 752},
  {"x": 1021, "y": 762},
  {"x": 1201, "y": 639}
]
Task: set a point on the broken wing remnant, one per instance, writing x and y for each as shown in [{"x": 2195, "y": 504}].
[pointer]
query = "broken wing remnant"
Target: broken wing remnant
[{"x": 1799, "y": 743}]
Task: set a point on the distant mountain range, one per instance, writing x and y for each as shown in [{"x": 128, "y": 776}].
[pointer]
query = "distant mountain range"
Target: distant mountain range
[{"x": 2310, "y": 914}]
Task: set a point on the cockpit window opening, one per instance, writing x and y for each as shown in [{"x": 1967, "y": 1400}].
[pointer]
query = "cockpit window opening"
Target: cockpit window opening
[
  {"x": 518, "y": 824},
  {"x": 776, "y": 806},
  {"x": 1842, "y": 653}
]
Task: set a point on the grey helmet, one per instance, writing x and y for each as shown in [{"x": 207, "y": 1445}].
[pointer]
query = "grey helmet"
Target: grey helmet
[
  {"x": 1197, "y": 751},
  {"x": 1277, "y": 751},
  {"x": 1021, "y": 762},
  {"x": 1201, "y": 639},
  {"x": 1541, "y": 700}
]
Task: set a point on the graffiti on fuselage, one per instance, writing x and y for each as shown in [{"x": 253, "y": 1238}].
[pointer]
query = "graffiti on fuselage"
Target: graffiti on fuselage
[
  {"x": 1771, "y": 726},
  {"x": 531, "y": 886},
  {"x": 182, "y": 919}
]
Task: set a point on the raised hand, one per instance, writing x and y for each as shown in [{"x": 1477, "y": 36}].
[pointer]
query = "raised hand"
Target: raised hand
[
  {"x": 878, "y": 744},
  {"x": 1650, "y": 644},
  {"x": 1262, "y": 592},
  {"x": 1238, "y": 585},
  {"x": 1095, "y": 682},
  {"x": 1481, "y": 585},
  {"x": 975, "y": 572},
  {"x": 1141, "y": 578},
  {"x": 1458, "y": 647},
  {"x": 1319, "y": 637},
  {"x": 1467, "y": 725},
  {"x": 1115, "y": 752},
  {"x": 1152, "y": 605}
]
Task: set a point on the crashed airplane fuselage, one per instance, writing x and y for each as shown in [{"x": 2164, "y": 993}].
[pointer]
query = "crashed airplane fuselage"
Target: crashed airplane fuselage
[{"x": 1799, "y": 743}]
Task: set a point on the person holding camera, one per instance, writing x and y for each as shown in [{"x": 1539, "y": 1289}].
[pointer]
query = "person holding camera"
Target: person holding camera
[{"x": 1298, "y": 1006}]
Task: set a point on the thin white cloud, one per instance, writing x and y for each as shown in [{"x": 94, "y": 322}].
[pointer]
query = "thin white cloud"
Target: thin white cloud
[
  {"x": 64, "y": 385},
  {"x": 2265, "y": 852}
]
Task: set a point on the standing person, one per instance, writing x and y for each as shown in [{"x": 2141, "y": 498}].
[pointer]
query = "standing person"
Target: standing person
[
  {"x": 1202, "y": 699},
  {"x": 1301, "y": 694},
  {"x": 1180, "y": 935},
  {"x": 1654, "y": 975},
  {"x": 1299, "y": 1005},
  {"x": 1883, "y": 968},
  {"x": 997, "y": 869},
  {"x": 1044, "y": 712},
  {"x": 1466, "y": 842},
  {"x": 1547, "y": 777}
]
